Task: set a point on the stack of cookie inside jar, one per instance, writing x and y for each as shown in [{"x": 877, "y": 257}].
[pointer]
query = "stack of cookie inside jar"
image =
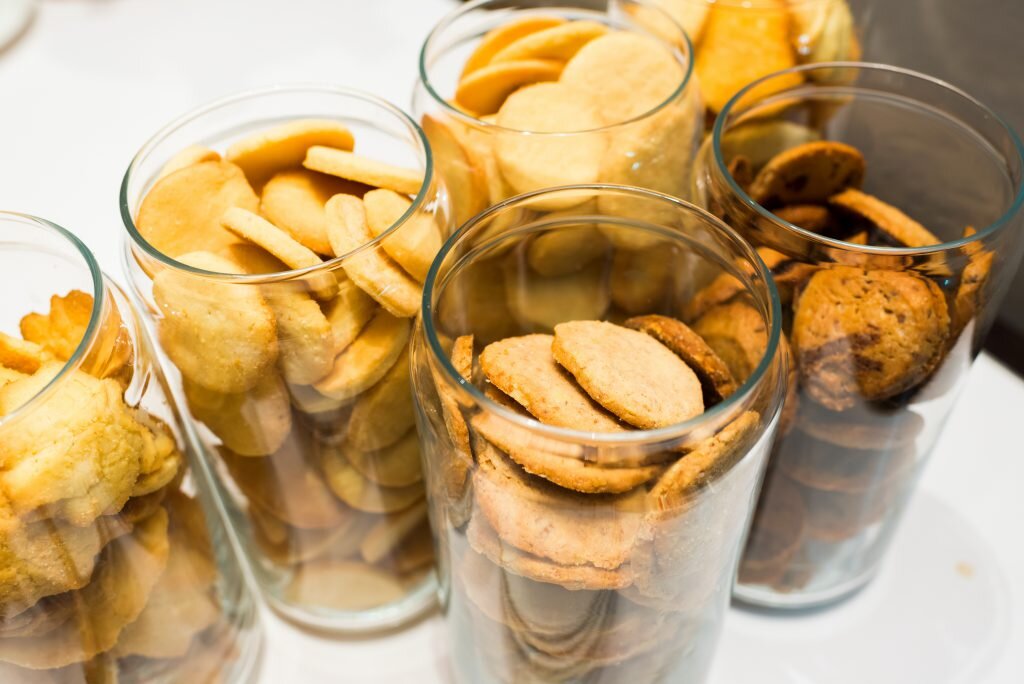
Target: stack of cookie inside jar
[
  {"x": 883, "y": 202},
  {"x": 281, "y": 239},
  {"x": 592, "y": 454},
  {"x": 108, "y": 568}
]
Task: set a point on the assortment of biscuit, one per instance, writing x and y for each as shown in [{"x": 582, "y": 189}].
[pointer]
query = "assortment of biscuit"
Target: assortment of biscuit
[
  {"x": 735, "y": 43},
  {"x": 868, "y": 332},
  {"x": 551, "y": 102},
  {"x": 103, "y": 557},
  {"x": 572, "y": 560},
  {"x": 302, "y": 381}
]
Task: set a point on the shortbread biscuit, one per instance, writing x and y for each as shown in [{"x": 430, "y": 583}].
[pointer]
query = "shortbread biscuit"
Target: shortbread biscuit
[
  {"x": 485, "y": 90},
  {"x": 737, "y": 333},
  {"x": 539, "y": 303},
  {"x": 293, "y": 200},
  {"x": 361, "y": 493},
  {"x": 739, "y": 45},
  {"x": 388, "y": 532},
  {"x": 220, "y": 335},
  {"x": 193, "y": 154},
  {"x": 533, "y": 162},
  {"x": 22, "y": 356},
  {"x": 181, "y": 213},
  {"x": 62, "y": 329},
  {"x": 716, "y": 379},
  {"x": 629, "y": 373},
  {"x": 867, "y": 334},
  {"x": 412, "y": 244},
  {"x": 475, "y": 299},
  {"x": 558, "y": 42},
  {"x": 547, "y": 521},
  {"x": 368, "y": 358},
  {"x": 811, "y": 173},
  {"x": 383, "y": 414},
  {"x": 525, "y": 369},
  {"x": 284, "y": 146},
  {"x": 372, "y": 270},
  {"x": 565, "y": 249},
  {"x": 642, "y": 280},
  {"x": 343, "y": 585},
  {"x": 348, "y": 313},
  {"x": 361, "y": 169},
  {"x": 251, "y": 423},
  {"x": 394, "y": 465},
  {"x": 626, "y": 74},
  {"x": 505, "y": 34},
  {"x": 463, "y": 176},
  {"x": 886, "y": 218}
]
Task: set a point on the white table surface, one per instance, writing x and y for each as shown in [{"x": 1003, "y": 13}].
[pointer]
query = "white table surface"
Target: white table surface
[{"x": 91, "y": 80}]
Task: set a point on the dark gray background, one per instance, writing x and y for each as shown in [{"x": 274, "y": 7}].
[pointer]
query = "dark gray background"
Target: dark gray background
[{"x": 977, "y": 45}]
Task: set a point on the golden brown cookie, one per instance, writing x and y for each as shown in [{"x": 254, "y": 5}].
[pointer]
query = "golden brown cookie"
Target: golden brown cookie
[
  {"x": 348, "y": 313},
  {"x": 368, "y": 358},
  {"x": 412, "y": 244},
  {"x": 737, "y": 333},
  {"x": 251, "y": 423},
  {"x": 61, "y": 330},
  {"x": 354, "y": 167},
  {"x": 505, "y": 34},
  {"x": 886, "y": 219},
  {"x": 193, "y": 154},
  {"x": 811, "y": 173},
  {"x": 742, "y": 171},
  {"x": 266, "y": 152},
  {"x": 383, "y": 414},
  {"x": 484, "y": 90},
  {"x": 22, "y": 356},
  {"x": 629, "y": 373},
  {"x": 716, "y": 379},
  {"x": 867, "y": 334},
  {"x": 812, "y": 217},
  {"x": 970, "y": 293},
  {"x": 559, "y": 42},
  {"x": 181, "y": 213},
  {"x": 525, "y": 369}
]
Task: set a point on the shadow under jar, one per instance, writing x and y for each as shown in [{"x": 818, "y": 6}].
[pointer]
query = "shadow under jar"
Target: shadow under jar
[
  {"x": 114, "y": 565},
  {"x": 575, "y": 546},
  {"x": 286, "y": 322},
  {"x": 887, "y": 205},
  {"x": 522, "y": 96}
]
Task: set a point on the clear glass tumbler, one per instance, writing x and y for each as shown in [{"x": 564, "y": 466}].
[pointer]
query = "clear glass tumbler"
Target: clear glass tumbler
[
  {"x": 569, "y": 555},
  {"x": 298, "y": 380},
  {"x": 891, "y": 259},
  {"x": 622, "y": 109},
  {"x": 114, "y": 563}
]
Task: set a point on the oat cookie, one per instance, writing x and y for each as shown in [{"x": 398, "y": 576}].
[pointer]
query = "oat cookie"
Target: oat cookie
[
  {"x": 525, "y": 369},
  {"x": 485, "y": 90},
  {"x": 886, "y": 218},
  {"x": 629, "y": 373},
  {"x": 809, "y": 174},
  {"x": 368, "y": 358},
  {"x": 715, "y": 377},
  {"x": 501, "y": 36},
  {"x": 364, "y": 170},
  {"x": 181, "y": 213},
  {"x": 293, "y": 200},
  {"x": 867, "y": 334},
  {"x": 414, "y": 243},
  {"x": 266, "y": 152},
  {"x": 219, "y": 335},
  {"x": 738, "y": 335},
  {"x": 251, "y": 423},
  {"x": 374, "y": 272}
]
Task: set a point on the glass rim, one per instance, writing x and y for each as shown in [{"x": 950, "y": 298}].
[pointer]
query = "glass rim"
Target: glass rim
[
  {"x": 759, "y": 5},
  {"x": 135, "y": 238},
  {"x": 453, "y": 111},
  {"x": 833, "y": 243},
  {"x": 98, "y": 303},
  {"x": 630, "y": 437}
]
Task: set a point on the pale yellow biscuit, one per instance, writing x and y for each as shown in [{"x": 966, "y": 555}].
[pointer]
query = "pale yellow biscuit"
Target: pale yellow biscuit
[
  {"x": 629, "y": 373},
  {"x": 251, "y": 423},
  {"x": 293, "y": 200},
  {"x": 525, "y": 369},
  {"x": 505, "y": 34},
  {"x": 220, "y": 335},
  {"x": 539, "y": 303},
  {"x": 372, "y": 270},
  {"x": 558, "y": 42},
  {"x": 266, "y": 152},
  {"x": 160, "y": 461},
  {"x": 310, "y": 401},
  {"x": 532, "y": 162},
  {"x": 689, "y": 15},
  {"x": 361, "y": 493},
  {"x": 7, "y": 376},
  {"x": 484, "y": 90},
  {"x": 625, "y": 74},
  {"x": 193, "y": 154},
  {"x": 61, "y": 330},
  {"x": 388, "y": 532},
  {"x": 343, "y": 585},
  {"x": 181, "y": 213},
  {"x": 368, "y": 358},
  {"x": 348, "y": 313},
  {"x": 414, "y": 243},
  {"x": 458, "y": 165},
  {"x": 565, "y": 249},
  {"x": 395, "y": 465},
  {"x": 384, "y": 413},
  {"x": 361, "y": 169},
  {"x": 21, "y": 355}
]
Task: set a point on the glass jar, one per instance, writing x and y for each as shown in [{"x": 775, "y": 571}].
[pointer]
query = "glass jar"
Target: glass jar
[
  {"x": 569, "y": 555},
  {"x": 737, "y": 42},
  {"x": 885, "y": 303},
  {"x": 114, "y": 564},
  {"x": 599, "y": 122},
  {"x": 315, "y": 450}
]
